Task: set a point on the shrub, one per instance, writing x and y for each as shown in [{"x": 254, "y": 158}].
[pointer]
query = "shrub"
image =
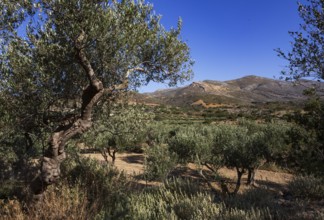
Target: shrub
[
  {"x": 307, "y": 187},
  {"x": 65, "y": 203},
  {"x": 90, "y": 191},
  {"x": 252, "y": 214},
  {"x": 185, "y": 186},
  {"x": 194, "y": 144},
  {"x": 159, "y": 162},
  {"x": 161, "y": 203},
  {"x": 11, "y": 210},
  {"x": 256, "y": 198},
  {"x": 105, "y": 186}
]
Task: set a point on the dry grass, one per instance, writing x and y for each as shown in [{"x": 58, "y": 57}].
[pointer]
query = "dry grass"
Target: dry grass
[{"x": 58, "y": 202}]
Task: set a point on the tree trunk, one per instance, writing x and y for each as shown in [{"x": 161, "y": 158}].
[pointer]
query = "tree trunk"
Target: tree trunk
[
  {"x": 238, "y": 182},
  {"x": 29, "y": 142},
  {"x": 105, "y": 155},
  {"x": 211, "y": 168},
  {"x": 112, "y": 154},
  {"x": 212, "y": 188},
  {"x": 251, "y": 175},
  {"x": 114, "y": 157},
  {"x": 55, "y": 154},
  {"x": 225, "y": 191}
]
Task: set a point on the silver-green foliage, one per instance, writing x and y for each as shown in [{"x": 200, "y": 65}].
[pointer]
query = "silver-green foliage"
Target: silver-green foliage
[
  {"x": 194, "y": 144},
  {"x": 106, "y": 188},
  {"x": 121, "y": 36},
  {"x": 165, "y": 204},
  {"x": 160, "y": 132},
  {"x": 159, "y": 162},
  {"x": 247, "y": 144},
  {"x": 84, "y": 51},
  {"x": 306, "y": 56},
  {"x": 120, "y": 127}
]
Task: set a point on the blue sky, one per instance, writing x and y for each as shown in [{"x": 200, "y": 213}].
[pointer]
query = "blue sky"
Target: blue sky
[{"x": 230, "y": 39}]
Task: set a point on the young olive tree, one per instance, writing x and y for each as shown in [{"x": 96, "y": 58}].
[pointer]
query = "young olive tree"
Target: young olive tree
[
  {"x": 267, "y": 142},
  {"x": 120, "y": 127},
  {"x": 194, "y": 144},
  {"x": 248, "y": 145},
  {"x": 160, "y": 132},
  {"x": 232, "y": 142},
  {"x": 84, "y": 51}
]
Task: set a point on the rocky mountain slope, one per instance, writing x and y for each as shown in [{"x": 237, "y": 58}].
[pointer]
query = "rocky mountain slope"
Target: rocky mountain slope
[{"x": 244, "y": 91}]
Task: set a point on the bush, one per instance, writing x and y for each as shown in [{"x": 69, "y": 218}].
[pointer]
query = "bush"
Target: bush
[
  {"x": 256, "y": 198},
  {"x": 90, "y": 191},
  {"x": 307, "y": 187},
  {"x": 159, "y": 162},
  {"x": 185, "y": 186},
  {"x": 11, "y": 188},
  {"x": 105, "y": 186},
  {"x": 161, "y": 203},
  {"x": 194, "y": 144},
  {"x": 62, "y": 203}
]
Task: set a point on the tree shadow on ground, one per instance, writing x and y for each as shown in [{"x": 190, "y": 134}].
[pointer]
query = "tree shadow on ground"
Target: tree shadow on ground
[
  {"x": 139, "y": 159},
  {"x": 270, "y": 185}
]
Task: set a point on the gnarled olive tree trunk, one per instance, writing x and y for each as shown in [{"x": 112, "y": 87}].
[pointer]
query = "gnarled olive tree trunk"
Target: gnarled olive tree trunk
[{"x": 55, "y": 153}]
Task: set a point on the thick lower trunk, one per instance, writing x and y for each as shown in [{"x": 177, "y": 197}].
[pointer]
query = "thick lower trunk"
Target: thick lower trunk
[{"x": 55, "y": 154}]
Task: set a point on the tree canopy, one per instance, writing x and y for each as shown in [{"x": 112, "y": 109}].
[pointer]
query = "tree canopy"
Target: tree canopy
[
  {"x": 82, "y": 52},
  {"x": 306, "y": 56}
]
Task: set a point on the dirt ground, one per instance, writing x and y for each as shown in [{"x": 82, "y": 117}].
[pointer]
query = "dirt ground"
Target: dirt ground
[
  {"x": 276, "y": 182},
  {"x": 132, "y": 164}
]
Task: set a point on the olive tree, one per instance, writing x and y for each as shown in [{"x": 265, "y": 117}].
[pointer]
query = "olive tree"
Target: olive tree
[
  {"x": 232, "y": 142},
  {"x": 306, "y": 60},
  {"x": 194, "y": 144},
  {"x": 267, "y": 143},
  {"x": 248, "y": 145},
  {"x": 83, "y": 52},
  {"x": 306, "y": 56},
  {"x": 120, "y": 127}
]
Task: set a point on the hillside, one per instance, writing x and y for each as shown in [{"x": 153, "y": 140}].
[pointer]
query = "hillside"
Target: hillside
[{"x": 243, "y": 91}]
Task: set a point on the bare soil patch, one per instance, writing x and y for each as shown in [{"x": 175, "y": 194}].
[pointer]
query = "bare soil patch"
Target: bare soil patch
[
  {"x": 130, "y": 163},
  {"x": 133, "y": 165}
]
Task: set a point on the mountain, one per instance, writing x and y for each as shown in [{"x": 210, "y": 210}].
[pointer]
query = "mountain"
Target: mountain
[{"x": 244, "y": 91}]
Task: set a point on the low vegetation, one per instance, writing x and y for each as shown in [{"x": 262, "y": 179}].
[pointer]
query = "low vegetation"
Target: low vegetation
[{"x": 96, "y": 190}]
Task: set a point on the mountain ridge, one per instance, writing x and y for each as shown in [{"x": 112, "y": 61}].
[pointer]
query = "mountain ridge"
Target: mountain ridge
[{"x": 242, "y": 91}]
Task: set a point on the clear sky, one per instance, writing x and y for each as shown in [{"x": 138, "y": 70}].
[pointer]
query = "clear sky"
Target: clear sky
[{"x": 230, "y": 39}]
